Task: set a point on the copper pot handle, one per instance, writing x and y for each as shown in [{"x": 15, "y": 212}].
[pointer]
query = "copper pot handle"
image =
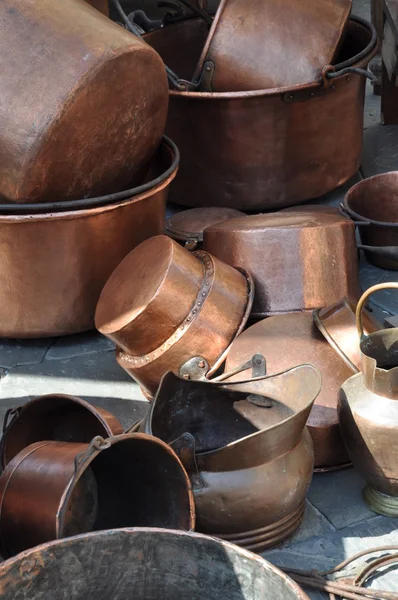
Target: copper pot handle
[
  {"x": 14, "y": 414},
  {"x": 97, "y": 444},
  {"x": 134, "y": 428},
  {"x": 364, "y": 297}
]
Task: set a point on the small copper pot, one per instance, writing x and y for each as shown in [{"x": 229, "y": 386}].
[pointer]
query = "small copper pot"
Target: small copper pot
[
  {"x": 368, "y": 411},
  {"x": 300, "y": 259},
  {"x": 54, "y": 417},
  {"x": 52, "y": 490}
]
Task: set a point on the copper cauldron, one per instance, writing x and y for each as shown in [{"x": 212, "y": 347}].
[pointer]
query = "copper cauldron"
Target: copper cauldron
[
  {"x": 368, "y": 411},
  {"x": 143, "y": 563},
  {"x": 271, "y": 148},
  {"x": 52, "y": 490},
  {"x": 54, "y": 417},
  {"x": 163, "y": 306},
  {"x": 56, "y": 263},
  {"x": 286, "y": 340},
  {"x": 247, "y": 47},
  {"x": 299, "y": 259},
  {"x": 248, "y": 453},
  {"x": 84, "y": 103}
]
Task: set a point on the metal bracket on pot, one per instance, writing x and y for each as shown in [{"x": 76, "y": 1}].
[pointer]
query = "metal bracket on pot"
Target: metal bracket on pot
[
  {"x": 11, "y": 415},
  {"x": 184, "y": 447},
  {"x": 196, "y": 368}
]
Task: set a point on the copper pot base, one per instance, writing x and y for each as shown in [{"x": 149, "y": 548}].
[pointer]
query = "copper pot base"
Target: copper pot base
[
  {"x": 333, "y": 468},
  {"x": 380, "y": 503}
]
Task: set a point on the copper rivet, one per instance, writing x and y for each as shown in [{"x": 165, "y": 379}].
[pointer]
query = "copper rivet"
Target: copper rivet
[{"x": 201, "y": 364}]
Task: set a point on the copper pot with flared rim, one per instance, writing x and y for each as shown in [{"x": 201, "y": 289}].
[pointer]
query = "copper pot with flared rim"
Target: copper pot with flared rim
[
  {"x": 284, "y": 160},
  {"x": 377, "y": 221},
  {"x": 285, "y": 340},
  {"x": 54, "y": 489},
  {"x": 245, "y": 446},
  {"x": 55, "y": 417},
  {"x": 337, "y": 323},
  {"x": 300, "y": 259},
  {"x": 368, "y": 412},
  {"x": 237, "y": 57},
  {"x": 56, "y": 263}
]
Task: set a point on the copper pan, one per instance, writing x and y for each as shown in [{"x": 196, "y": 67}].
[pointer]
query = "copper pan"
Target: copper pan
[
  {"x": 300, "y": 259},
  {"x": 55, "y": 264},
  {"x": 247, "y": 47},
  {"x": 265, "y": 149},
  {"x": 286, "y": 340},
  {"x": 53, "y": 489},
  {"x": 54, "y": 417}
]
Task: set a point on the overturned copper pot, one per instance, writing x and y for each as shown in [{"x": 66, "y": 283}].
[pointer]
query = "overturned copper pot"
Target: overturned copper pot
[
  {"x": 238, "y": 56},
  {"x": 300, "y": 259},
  {"x": 138, "y": 309},
  {"x": 368, "y": 411},
  {"x": 288, "y": 340},
  {"x": 56, "y": 263},
  {"x": 54, "y": 417},
  {"x": 246, "y": 450},
  {"x": 265, "y": 149},
  {"x": 52, "y": 490}
]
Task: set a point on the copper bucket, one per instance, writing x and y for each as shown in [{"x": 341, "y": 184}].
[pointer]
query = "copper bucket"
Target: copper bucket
[
  {"x": 265, "y": 149},
  {"x": 56, "y": 263},
  {"x": 52, "y": 490},
  {"x": 54, "y": 417}
]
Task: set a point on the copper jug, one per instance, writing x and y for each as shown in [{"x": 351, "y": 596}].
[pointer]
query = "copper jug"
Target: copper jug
[
  {"x": 246, "y": 449},
  {"x": 368, "y": 412}
]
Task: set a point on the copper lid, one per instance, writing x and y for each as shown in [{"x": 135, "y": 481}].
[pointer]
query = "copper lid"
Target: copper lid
[{"x": 188, "y": 225}]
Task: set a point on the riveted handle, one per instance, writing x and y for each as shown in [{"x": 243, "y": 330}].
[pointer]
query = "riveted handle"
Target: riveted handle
[{"x": 375, "y": 288}]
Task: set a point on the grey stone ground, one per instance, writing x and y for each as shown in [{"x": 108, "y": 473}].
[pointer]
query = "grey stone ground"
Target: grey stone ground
[{"x": 337, "y": 523}]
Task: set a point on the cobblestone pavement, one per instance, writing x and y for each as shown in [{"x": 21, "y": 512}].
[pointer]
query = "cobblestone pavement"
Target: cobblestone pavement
[{"x": 337, "y": 523}]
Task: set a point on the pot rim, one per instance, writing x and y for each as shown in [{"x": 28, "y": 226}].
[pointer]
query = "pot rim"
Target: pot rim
[
  {"x": 353, "y": 214},
  {"x": 329, "y": 338}
]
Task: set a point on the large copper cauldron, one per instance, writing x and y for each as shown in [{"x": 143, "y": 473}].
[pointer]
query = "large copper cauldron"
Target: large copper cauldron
[
  {"x": 248, "y": 453},
  {"x": 52, "y": 490},
  {"x": 141, "y": 564},
  {"x": 268, "y": 148},
  {"x": 54, "y": 265}
]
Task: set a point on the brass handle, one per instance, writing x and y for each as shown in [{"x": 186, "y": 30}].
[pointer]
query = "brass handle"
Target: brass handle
[{"x": 364, "y": 297}]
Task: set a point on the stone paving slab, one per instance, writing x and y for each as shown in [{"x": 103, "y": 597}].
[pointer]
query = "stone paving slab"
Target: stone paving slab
[
  {"x": 81, "y": 344},
  {"x": 22, "y": 352}
]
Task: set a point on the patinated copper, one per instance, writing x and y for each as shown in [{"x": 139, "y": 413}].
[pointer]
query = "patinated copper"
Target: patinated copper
[
  {"x": 55, "y": 264},
  {"x": 373, "y": 205},
  {"x": 264, "y": 149},
  {"x": 289, "y": 340},
  {"x": 188, "y": 225},
  {"x": 337, "y": 324},
  {"x": 300, "y": 259},
  {"x": 368, "y": 411},
  {"x": 164, "y": 305},
  {"x": 149, "y": 563},
  {"x": 84, "y": 102},
  {"x": 245, "y": 447},
  {"x": 53, "y": 489},
  {"x": 54, "y": 417},
  {"x": 247, "y": 47}
]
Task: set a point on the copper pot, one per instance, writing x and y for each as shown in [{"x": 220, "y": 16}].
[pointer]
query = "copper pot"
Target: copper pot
[
  {"x": 155, "y": 333},
  {"x": 54, "y": 417},
  {"x": 264, "y": 149},
  {"x": 373, "y": 205},
  {"x": 368, "y": 411},
  {"x": 299, "y": 259},
  {"x": 245, "y": 447},
  {"x": 101, "y": 5},
  {"x": 84, "y": 103},
  {"x": 52, "y": 490},
  {"x": 288, "y": 340},
  {"x": 55, "y": 264},
  {"x": 243, "y": 49}
]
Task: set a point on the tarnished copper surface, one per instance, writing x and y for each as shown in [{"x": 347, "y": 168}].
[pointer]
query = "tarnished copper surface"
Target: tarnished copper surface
[
  {"x": 289, "y": 340},
  {"x": 300, "y": 259},
  {"x": 373, "y": 205},
  {"x": 84, "y": 102},
  {"x": 262, "y": 149},
  {"x": 110, "y": 564},
  {"x": 101, "y": 5},
  {"x": 241, "y": 57},
  {"x": 337, "y": 324},
  {"x": 368, "y": 411},
  {"x": 245, "y": 446},
  {"x": 56, "y": 489},
  {"x": 188, "y": 225},
  {"x": 54, "y": 417},
  {"x": 56, "y": 264}
]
